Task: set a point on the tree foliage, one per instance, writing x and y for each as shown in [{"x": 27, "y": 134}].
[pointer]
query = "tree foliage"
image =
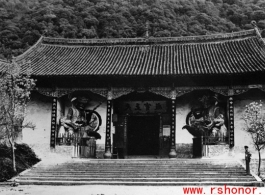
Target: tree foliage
[
  {"x": 15, "y": 90},
  {"x": 255, "y": 125},
  {"x": 25, "y": 158},
  {"x": 23, "y": 22}
]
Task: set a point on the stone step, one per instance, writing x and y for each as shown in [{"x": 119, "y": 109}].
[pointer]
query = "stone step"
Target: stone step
[
  {"x": 68, "y": 183},
  {"x": 137, "y": 179},
  {"x": 153, "y": 163},
  {"x": 142, "y": 176},
  {"x": 80, "y": 169},
  {"x": 150, "y": 161},
  {"x": 165, "y": 160},
  {"x": 161, "y": 172},
  {"x": 149, "y": 166},
  {"x": 194, "y": 162},
  {"x": 137, "y": 168},
  {"x": 146, "y": 169},
  {"x": 72, "y": 171},
  {"x": 139, "y": 172},
  {"x": 188, "y": 165},
  {"x": 142, "y": 166}
]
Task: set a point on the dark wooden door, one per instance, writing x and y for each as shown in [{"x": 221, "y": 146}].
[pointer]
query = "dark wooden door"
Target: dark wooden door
[{"x": 143, "y": 135}]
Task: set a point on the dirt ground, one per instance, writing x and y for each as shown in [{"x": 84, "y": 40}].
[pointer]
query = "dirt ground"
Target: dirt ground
[{"x": 123, "y": 190}]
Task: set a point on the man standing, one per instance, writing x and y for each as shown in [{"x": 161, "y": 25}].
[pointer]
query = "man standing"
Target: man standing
[{"x": 247, "y": 158}]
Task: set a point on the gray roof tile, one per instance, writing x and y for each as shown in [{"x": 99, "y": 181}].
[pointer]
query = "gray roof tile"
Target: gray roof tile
[{"x": 233, "y": 53}]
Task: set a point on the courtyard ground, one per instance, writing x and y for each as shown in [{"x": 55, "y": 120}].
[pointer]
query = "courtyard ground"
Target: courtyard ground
[{"x": 126, "y": 190}]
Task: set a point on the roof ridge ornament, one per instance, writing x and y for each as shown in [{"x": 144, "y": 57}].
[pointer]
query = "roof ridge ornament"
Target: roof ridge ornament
[
  {"x": 257, "y": 31},
  {"x": 254, "y": 24},
  {"x": 30, "y": 49}
]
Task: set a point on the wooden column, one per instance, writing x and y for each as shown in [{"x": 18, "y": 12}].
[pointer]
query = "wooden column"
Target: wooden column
[
  {"x": 231, "y": 124},
  {"x": 173, "y": 153},
  {"x": 108, "y": 127},
  {"x": 53, "y": 122},
  {"x": 125, "y": 135},
  {"x": 161, "y": 140}
]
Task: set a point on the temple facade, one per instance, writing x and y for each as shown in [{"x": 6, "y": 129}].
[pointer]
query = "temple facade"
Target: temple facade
[{"x": 176, "y": 97}]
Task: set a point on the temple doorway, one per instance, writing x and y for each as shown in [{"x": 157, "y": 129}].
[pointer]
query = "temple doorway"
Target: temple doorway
[{"x": 143, "y": 135}]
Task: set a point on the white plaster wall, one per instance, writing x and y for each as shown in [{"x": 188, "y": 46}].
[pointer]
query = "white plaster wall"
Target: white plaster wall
[
  {"x": 243, "y": 138},
  {"x": 39, "y": 113},
  {"x": 182, "y": 135}
]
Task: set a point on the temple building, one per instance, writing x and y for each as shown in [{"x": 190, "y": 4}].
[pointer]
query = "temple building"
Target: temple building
[{"x": 174, "y": 97}]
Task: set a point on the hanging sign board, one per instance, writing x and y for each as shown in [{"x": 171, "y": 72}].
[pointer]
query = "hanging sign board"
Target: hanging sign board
[
  {"x": 166, "y": 130},
  {"x": 144, "y": 107}
]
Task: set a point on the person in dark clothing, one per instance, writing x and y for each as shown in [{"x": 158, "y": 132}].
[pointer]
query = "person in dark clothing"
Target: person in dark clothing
[{"x": 247, "y": 158}]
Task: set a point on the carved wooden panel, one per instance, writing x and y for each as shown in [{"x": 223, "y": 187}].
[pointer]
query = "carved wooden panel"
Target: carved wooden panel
[
  {"x": 231, "y": 121},
  {"x": 53, "y": 122},
  {"x": 108, "y": 126},
  {"x": 173, "y": 122}
]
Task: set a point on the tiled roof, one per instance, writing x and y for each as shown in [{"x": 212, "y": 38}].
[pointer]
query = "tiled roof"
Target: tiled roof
[
  {"x": 233, "y": 53},
  {"x": 3, "y": 64}
]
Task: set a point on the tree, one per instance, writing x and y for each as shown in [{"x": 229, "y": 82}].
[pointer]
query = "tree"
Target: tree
[
  {"x": 255, "y": 126},
  {"x": 258, "y": 15},
  {"x": 15, "y": 90}
]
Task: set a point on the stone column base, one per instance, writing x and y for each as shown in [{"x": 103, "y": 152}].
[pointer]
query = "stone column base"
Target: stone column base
[
  {"x": 107, "y": 154},
  {"x": 172, "y": 153}
]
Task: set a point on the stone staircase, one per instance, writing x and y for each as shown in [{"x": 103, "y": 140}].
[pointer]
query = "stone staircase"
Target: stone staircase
[{"x": 139, "y": 172}]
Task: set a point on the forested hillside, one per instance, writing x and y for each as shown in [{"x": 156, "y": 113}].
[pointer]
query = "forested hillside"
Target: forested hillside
[{"x": 22, "y": 22}]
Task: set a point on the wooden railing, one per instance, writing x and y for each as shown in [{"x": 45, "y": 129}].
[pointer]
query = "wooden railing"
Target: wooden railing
[
  {"x": 83, "y": 147},
  {"x": 67, "y": 139}
]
